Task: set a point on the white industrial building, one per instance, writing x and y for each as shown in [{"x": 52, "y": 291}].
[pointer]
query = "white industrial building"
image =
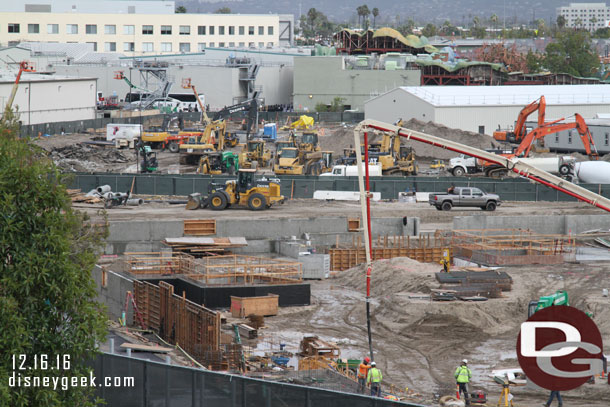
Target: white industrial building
[
  {"x": 50, "y": 98},
  {"x": 590, "y": 16},
  {"x": 483, "y": 109}
]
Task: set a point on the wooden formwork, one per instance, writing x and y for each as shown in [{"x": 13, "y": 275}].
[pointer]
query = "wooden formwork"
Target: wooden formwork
[
  {"x": 424, "y": 249},
  {"x": 199, "y": 227},
  {"x": 177, "y": 320},
  {"x": 159, "y": 263},
  {"x": 246, "y": 270}
]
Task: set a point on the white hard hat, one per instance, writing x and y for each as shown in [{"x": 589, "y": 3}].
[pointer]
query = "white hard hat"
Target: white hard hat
[
  {"x": 373, "y": 364},
  {"x": 465, "y": 361}
]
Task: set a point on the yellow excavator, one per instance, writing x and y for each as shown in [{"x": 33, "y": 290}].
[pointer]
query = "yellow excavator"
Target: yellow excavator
[
  {"x": 305, "y": 159},
  {"x": 395, "y": 159}
]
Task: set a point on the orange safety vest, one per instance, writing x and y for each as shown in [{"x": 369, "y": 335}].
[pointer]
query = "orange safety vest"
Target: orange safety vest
[{"x": 363, "y": 370}]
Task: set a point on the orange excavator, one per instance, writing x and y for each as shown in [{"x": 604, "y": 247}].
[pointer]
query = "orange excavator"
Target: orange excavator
[
  {"x": 541, "y": 131},
  {"x": 517, "y": 135}
]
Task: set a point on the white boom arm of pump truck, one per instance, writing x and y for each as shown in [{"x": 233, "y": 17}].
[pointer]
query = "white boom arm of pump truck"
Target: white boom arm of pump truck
[{"x": 521, "y": 168}]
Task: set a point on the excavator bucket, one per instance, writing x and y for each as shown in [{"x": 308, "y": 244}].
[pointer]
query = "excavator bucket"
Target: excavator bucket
[{"x": 194, "y": 201}]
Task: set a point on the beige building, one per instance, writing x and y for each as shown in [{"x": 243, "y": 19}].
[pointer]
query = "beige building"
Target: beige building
[
  {"x": 590, "y": 16},
  {"x": 142, "y": 34}
]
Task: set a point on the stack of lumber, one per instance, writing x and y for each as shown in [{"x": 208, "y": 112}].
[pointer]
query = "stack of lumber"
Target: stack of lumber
[
  {"x": 204, "y": 246},
  {"x": 76, "y": 195}
]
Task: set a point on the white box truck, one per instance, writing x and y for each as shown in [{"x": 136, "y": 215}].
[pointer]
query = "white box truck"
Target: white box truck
[{"x": 123, "y": 135}]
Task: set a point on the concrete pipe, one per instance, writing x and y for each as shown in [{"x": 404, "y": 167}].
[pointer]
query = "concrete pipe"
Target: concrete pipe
[
  {"x": 108, "y": 195},
  {"x": 134, "y": 202},
  {"x": 103, "y": 189},
  {"x": 121, "y": 194}
]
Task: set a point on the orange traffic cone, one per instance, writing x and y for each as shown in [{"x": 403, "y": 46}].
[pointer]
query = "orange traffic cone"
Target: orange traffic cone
[{"x": 457, "y": 391}]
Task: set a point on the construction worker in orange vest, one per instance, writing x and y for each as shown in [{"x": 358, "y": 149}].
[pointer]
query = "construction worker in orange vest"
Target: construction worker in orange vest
[{"x": 363, "y": 370}]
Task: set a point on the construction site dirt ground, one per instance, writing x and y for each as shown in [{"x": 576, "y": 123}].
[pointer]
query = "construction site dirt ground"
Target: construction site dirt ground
[{"x": 419, "y": 343}]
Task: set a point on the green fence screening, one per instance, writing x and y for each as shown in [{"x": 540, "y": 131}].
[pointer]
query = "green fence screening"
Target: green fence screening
[{"x": 297, "y": 186}]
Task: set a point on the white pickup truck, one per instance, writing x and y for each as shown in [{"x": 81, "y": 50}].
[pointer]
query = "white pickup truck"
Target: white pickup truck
[{"x": 352, "y": 171}]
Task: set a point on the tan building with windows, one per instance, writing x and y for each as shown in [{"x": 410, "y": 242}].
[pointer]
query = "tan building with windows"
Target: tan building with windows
[{"x": 142, "y": 34}]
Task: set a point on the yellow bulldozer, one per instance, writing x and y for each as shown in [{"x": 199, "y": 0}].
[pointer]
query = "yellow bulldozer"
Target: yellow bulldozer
[
  {"x": 395, "y": 159},
  {"x": 254, "y": 155},
  {"x": 256, "y": 194}
]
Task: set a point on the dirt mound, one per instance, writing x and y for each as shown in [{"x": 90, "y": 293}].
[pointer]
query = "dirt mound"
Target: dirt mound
[
  {"x": 338, "y": 139},
  {"x": 392, "y": 276},
  {"x": 468, "y": 138},
  {"x": 83, "y": 157}
]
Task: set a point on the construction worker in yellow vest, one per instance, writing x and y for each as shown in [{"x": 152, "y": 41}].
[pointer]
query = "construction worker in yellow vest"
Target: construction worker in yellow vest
[
  {"x": 374, "y": 378},
  {"x": 363, "y": 370},
  {"x": 462, "y": 377}
]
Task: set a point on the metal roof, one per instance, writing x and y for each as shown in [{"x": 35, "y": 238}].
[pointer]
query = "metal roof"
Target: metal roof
[{"x": 446, "y": 96}]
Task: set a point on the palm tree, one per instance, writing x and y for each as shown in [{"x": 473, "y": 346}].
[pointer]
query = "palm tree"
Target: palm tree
[
  {"x": 561, "y": 22},
  {"x": 365, "y": 14},
  {"x": 577, "y": 22},
  {"x": 494, "y": 20},
  {"x": 375, "y": 15},
  {"x": 476, "y": 21},
  {"x": 592, "y": 22},
  {"x": 359, "y": 11}
]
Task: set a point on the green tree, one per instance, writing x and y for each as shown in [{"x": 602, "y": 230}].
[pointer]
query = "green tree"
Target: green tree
[
  {"x": 429, "y": 30},
  {"x": 592, "y": 23},
  {"x": 223, "y": 10},
  {"x": 180, "y": 10},
  {"x": 47, "y": 252},
  {"x": 337, "y": 105},
  {"x": 365, "y": 16},
  {"x": 572, "y": 53},
  {"x": 532, "y": 61},
  {"x": 561, "y": 22},
  {"x": 375, "y": 15},
  {"x": 578, "y": 22}
]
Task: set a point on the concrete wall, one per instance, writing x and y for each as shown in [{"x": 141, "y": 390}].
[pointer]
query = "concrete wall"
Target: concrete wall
[
  {"x": 142, "y": 236},
  {"x": 557, "y": 224},
  {"x": 113, "y": 293},
  {"x": 325, "y": 78}
]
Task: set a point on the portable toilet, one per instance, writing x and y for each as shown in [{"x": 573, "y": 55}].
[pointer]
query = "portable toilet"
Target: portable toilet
[{"x": 270, "y": 131}]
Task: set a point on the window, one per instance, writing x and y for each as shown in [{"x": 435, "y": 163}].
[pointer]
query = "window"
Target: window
[
  {"x": 129, "y": 29},
  {"x": 261, "y": 45},
  {"x": 33, "y": 29},
  {"x": 242, "y": 44},
  {"x": 201, "y": 47},
  {"x": 129, "y": 46},
  {"x": 185, "y": 30},
  {"x": 231, "y": 45},
  {"x": 242, "y": 30},
  {"x": 147, "y": 47},
  {"x": 166, "y": 30},
  {"x": 212, "y": 44},
  {"x": 185, "y": 47},
  {"x": 261, "y": 30},
  {"x": 147, "y": 30},
  {"x": 211, "y": 31},
  {"x": 94, "y": 45},
  {"x": 570, "y": 137},
  {"x": 166, "y": 47},
  {"x": 269, "y": 45},
  {"x": 556, "y": 138},
  {"x": 270, "y": 30},
  {"x": 201, "y": 30},
  {"x": 110, "y": 29},
  {"x": 13, "y": 28},
  {"x": 71, "y": 28},
  {"x": 251, "y": 30},
  {"x": 221, "y": 30},
  {"x": 110, "y": 46},
  {"x": 231, "y": 30},
  {"x": 221, "y": 45},
  {"x": 251, "y": 45},
  {"x": 91, "y": 29},
  {"x": 606, "y": 139},
  {"x": 52, "y": 28}
]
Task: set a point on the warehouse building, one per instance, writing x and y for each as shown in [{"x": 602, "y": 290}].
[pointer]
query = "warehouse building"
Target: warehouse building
[
  {"x": 139, "y": 27},
  {"x": 483, "y": 109},
  {"x": 50, "y": 98},
  {"x": 321, "y": 79}
]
